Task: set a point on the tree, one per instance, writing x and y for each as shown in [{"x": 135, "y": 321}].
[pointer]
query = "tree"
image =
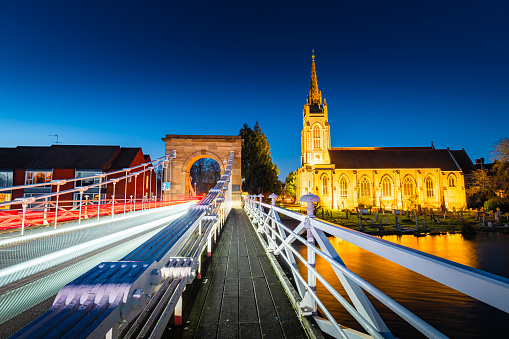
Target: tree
[
  {"x": 291, "y": 184},
  {"x": 480, "y": 186},
  {"x": 500, "y": 157},
  {"x": 259, "y": 173},
  {"x": 205, "y": 173},
  {"x": 501, "y": 150}
]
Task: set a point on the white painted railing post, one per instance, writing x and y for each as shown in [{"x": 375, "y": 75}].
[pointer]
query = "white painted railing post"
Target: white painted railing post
[
  {"x": 135, "y": 184},
  {"x": 260, "y": 213},
  {"x": 45, "y": 221},
  {"x": 81, "y": 199},
  {"x": 272, "y": 244},
  {"x": 125, "y": 189},
  {"x": 24, "y": 204},
  {"x": 209, "y": 245},
  {"x": 99, "y": 197},
  {"x": 86, "y": 207},
  {"x": 309, "y": 301},
  {"x": 113, "y": 199},
  {"x": 56, "y": 206}
]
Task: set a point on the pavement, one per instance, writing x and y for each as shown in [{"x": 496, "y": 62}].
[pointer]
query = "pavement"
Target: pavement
[{"x": 239, "y": 295}]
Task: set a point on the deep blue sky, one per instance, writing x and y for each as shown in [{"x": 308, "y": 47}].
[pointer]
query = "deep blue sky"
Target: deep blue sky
[{"x": 394, "y": 73}]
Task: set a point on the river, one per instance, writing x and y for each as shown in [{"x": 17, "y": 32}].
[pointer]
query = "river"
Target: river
[{"x": 453, "y": 313}]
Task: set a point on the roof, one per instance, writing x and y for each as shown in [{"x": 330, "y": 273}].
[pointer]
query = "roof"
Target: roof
[
  {"x": 19, "y": 157},
  {"x": 464, "y": 161},
  {"x": 125, "y": 158},
  {"x": 68, "y": 157},
  {"x": 75, "y": 156},
  {"x": 392, "y": 157}
]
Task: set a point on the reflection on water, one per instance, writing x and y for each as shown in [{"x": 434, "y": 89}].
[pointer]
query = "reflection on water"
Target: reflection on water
[{"x": 451, "y": 312}]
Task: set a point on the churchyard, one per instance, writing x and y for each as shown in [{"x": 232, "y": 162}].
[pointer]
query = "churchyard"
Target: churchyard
[{"x": 421, "y": 223}]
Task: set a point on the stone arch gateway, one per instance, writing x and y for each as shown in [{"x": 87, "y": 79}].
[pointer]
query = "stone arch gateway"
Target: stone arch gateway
[{"x": 191, "y": 148}]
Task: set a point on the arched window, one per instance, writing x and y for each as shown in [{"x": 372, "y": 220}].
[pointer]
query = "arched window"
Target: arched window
[
  {"x": 452, "y": 180},
  {"x": 408, "y": 186},
  {"x": 316, "y": 137},
  {"x": 325, "y": 185},
  {"x": 430, "y": 187},
  {"x": 365, "y": 187},
  {"x": 343, "y": 186},
  {"x": 386, "y": 187}
]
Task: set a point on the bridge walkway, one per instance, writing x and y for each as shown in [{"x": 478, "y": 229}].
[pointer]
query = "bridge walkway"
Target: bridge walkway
[{"x": 239, "y": 295}]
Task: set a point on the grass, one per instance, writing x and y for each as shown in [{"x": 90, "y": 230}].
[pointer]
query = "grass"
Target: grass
[{"x": 451, "y": 224}]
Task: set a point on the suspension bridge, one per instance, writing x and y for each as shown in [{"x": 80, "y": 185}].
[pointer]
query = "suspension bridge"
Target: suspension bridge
[{"x": 148, "y": 268}]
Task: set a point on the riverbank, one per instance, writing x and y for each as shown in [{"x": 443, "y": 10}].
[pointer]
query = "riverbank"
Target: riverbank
[{"x": 408, "y": 223}]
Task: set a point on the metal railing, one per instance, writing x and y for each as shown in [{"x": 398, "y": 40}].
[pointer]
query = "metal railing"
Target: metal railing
[
  {"x": 47, "y": 208},
  {"x": 486, "y": 287},
  {"x": 136, "y": 296}
]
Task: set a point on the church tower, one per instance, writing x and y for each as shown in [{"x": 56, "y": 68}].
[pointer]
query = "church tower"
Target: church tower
[{"x": 315, "y": 131}]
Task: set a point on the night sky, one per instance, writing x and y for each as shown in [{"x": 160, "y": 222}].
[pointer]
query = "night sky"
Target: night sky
[{"x": 394, "y": 73}]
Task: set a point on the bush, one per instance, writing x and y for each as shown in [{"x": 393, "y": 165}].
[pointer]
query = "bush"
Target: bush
[{"x": 493, "y": 203}]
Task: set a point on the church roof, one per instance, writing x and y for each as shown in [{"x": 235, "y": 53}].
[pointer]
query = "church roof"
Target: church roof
[
  {"x": 464, "y": 161},
  {"x": 397, "y": 158}
]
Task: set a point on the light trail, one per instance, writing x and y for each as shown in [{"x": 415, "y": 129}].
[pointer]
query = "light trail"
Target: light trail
[
  {"x": 34, "y": 266},
  {"x": 24, "y": 284}
]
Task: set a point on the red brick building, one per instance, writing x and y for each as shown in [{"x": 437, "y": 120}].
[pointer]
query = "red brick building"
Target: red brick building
[{"x": 25, "y": 165}]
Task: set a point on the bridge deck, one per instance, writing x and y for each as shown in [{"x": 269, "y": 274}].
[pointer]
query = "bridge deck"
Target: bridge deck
[{"x": 240, "y": 295}]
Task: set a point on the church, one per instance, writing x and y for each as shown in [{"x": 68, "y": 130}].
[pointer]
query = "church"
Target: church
[{"x": 382, "y": 177}]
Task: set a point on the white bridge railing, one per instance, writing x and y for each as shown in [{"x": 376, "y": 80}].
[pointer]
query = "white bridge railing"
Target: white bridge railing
[
  {"x": 486, "y": 287},
  {"x": 49, "y": 208}
]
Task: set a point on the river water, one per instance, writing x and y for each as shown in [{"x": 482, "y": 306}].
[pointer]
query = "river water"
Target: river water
[{"x": 453, "y": 313}]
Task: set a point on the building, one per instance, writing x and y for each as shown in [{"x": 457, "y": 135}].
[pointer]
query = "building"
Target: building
[
  {"x": 382, "y": 177},
  {"x": 25, "y": 165}
]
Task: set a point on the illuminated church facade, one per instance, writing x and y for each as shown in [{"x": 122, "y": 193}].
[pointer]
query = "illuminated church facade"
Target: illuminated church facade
[{"x": 382, "y": 177}]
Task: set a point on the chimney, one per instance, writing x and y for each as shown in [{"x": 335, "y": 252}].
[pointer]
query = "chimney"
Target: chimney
[{"x": 479, "y": 163}]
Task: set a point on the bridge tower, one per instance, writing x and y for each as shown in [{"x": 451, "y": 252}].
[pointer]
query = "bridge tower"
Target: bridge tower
[{"x": 191, "y": 148}]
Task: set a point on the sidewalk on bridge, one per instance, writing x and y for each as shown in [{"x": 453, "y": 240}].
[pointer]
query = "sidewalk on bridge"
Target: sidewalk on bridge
[{"x": 240, "y": 295}]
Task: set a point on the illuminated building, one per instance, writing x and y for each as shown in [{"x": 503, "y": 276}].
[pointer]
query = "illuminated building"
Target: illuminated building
[{"x": 383, "y": 177}]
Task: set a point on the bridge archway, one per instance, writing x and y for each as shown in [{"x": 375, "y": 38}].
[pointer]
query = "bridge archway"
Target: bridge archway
[
  {"x": 192, "y": 159},
  {"x": 191, "y": 148}
]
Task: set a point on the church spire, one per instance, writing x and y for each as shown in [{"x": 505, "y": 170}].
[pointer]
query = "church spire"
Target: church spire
[
  {"x": 314, "y": 93},
  {"x": 315, "y": 96}
]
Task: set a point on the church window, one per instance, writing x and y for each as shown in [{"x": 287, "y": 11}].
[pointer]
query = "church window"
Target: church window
[
  {"x": 343, "y": 187},
  {"x": 452, "y": 180},
  {"x": 325, "y": 183},
  {"x": 365, "y": 187},
  {"x": 430, "y": 187},
  {"x": 408, "y": 186},
  {"x": 316, "y": 137},
  {"x": 386, "y": 187}
]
